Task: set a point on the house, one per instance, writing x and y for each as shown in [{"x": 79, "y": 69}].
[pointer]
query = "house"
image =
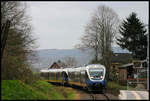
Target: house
[
  {"x": 125, "y": 72},
  {"x": 132, "y": 71},
  {"x": 57, "y": 65},
  {"x": 119, "y": 59}
]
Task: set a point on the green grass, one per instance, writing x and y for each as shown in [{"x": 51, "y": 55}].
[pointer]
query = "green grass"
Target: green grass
[
  {"x": 54, "y": 92},
  {"x": 40, "y": 90},
  {"x": 16, "y": 90}
]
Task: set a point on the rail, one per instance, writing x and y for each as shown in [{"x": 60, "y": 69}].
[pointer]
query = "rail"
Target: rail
[{"x": 94, "y": 96}]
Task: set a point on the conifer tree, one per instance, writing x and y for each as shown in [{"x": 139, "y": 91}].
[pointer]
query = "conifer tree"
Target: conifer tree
[{"x": 133, "y": 37}]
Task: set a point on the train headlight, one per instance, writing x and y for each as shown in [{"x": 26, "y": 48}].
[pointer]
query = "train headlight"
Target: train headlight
[{"x": 101, "y": 77}]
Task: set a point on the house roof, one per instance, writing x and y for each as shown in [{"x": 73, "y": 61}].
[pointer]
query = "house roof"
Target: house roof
[
  {"x": 122, "y": 58},
  {"x": 126, "y": 65},
  {"x": 136, "y": 64},
  {"x": 59, "y": 63}
]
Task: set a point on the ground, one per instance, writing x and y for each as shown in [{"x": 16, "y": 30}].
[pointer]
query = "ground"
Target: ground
[
  {"x": 133, "y": 95},
  {"x": 81, "y": 94}
]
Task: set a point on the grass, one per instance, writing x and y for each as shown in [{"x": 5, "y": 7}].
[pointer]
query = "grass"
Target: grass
[
  {"x": 16, "y": 90},
  {"x": 54, "y": 92},
  {"x": 40, "y": 90}
]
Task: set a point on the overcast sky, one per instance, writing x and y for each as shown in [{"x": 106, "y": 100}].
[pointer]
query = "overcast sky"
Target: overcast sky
[{"x": 59, "y": 25}]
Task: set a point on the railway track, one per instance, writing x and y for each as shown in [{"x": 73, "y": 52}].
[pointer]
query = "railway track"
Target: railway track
[
  {"x": 87, "y": 95},
  {"x": 97, "y": 96}
]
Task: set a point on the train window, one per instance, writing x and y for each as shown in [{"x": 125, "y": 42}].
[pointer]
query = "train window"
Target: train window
[
  {"x": 52, "y": 76},
  {"x": 96, "y": 74},
  {"x": 72, "y": 76},
  {"x": 47, "y": 76},
  {"x": 56, "y": 75},
  {"x": 76, "y": 76},
  {"x": 59, "y": 75}
]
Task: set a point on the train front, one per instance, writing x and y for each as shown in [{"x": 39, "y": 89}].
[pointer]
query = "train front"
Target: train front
[{"x": 96, "y": 77}]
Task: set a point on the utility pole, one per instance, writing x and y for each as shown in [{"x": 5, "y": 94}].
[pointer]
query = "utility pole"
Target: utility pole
[{"x": 147, "y": 59}]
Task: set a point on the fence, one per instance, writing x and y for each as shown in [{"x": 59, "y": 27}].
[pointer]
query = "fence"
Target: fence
[{"x": 137, "y": 84}]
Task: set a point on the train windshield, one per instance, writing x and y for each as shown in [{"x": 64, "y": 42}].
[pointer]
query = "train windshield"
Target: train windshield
[{"x": 96, "y": 73}]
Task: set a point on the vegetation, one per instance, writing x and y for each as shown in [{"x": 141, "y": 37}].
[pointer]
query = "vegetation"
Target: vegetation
[
  {"x": 114, "y": 87},
  {"x": 70, "y": 61},
  {"x": 40, "y": 90},
  {"x": 16, "y": 90},
  {"x": 99, "y": 35},
  {"x": 133, "y": 37},
  {"x": 19, "y": 43}
]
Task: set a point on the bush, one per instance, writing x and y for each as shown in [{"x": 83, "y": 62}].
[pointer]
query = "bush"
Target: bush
[
  {"x": 114, "y": 87},
  {"x": 113, "y": 77}
]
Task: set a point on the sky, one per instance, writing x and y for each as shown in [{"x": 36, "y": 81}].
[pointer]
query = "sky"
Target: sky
[{"x": 60, "y": 25}]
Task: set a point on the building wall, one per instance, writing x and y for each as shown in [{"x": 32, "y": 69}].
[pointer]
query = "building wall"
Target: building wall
[
  {"x": 122, "y": 76},
  {"x": 114, "y": 67}
]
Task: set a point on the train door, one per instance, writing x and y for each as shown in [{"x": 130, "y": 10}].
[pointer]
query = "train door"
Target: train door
[{"x": 82, "y": 77}]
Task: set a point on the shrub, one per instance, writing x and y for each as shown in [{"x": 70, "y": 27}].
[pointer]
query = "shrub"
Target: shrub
[{"x": 114, "y": 87}]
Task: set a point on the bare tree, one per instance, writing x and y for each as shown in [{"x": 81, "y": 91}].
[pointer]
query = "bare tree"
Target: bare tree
[
  {"x": 19, "y": 43},
  {"x": 4, "y": 35},
  {"x": 100, "y": 33},
  {"x": 70, "y": 61},
  {"x": 89, "y": 40},
  {"x": 108, "y": 22}
]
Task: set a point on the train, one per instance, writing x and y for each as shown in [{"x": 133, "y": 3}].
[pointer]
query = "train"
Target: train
[{"x": 90, "y": 77}]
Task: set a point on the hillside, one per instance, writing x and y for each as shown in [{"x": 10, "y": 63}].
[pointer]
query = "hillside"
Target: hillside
[
  {"x": 41, "y": 90},
  {"x": 47, "y": 56}
]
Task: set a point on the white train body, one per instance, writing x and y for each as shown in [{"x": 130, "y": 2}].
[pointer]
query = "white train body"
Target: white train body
[{"x": 90, "y": 76}]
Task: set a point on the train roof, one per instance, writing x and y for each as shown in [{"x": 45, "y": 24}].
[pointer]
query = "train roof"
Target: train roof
[
  {"x": 51, "y": 70},
  {"x": 74, "y": 68},
  {"x": 95, "y": 65}
]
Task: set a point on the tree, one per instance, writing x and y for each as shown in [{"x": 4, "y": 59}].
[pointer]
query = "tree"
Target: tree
[
  {"x": 70, "y": 61},
  {"x": 90, "y": 38},
  {"x": 19, "y": 43},
  {"x": 100, "y": 33},
  {"x": 133, "y": 37},
  {"x": 4, "y": 35}
]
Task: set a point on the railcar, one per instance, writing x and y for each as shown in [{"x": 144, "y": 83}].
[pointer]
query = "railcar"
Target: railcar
[{"x": 91, "y": 77}]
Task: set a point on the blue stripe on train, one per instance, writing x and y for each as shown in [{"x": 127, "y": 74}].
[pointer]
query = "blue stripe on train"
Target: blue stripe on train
[{"x": 90, "y": 83}]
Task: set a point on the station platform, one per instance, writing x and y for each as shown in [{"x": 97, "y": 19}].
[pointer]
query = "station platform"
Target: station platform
[{"x": 133, "y": 95}]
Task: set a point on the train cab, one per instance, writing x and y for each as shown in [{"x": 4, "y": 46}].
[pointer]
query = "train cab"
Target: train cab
[{"x": 96, "y": 77}]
